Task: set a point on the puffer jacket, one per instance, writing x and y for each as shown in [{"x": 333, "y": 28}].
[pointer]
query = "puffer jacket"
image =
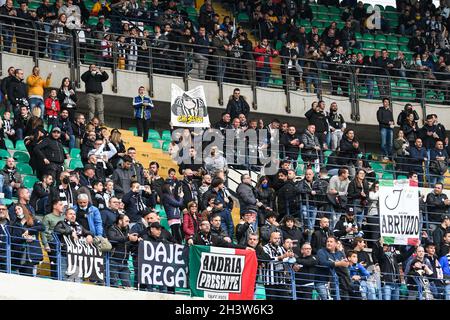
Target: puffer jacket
[
  {"x": 172, "y": 206},
  {"x": 309, "y": 141},
  {"x": 50, "y": 149},
  {"x": 120, "y": 243},
  {"x": 246, "y": 196}
]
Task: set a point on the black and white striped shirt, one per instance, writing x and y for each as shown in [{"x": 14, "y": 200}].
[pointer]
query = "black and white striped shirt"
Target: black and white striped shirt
[{"x": 274, "y": 271}]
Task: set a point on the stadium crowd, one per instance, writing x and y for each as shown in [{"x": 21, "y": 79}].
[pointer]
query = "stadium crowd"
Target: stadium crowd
[
  {"x": 316, "y": 216},
  {"x": 181, "y": 41},
  {"x": 307, "y": 214}
]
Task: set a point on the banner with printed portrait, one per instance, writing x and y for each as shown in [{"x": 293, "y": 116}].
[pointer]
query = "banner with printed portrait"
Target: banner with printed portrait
[{"x": 188, "y": 108}]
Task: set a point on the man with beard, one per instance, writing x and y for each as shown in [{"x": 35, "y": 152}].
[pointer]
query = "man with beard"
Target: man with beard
[
  {"x": 275, "y": 281},
  {"x": 110, "y": 213},
  {"x": 319, "y": 237},
  {"x": 287, "y": 196},
  {"x": 120, "y": 237},
  {"x": 337, "y": 126}
]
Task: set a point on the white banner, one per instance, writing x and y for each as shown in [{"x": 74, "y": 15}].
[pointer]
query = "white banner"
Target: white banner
[
  {"x": 399, "y": 212},
  {"x": 188, "y": 108}
]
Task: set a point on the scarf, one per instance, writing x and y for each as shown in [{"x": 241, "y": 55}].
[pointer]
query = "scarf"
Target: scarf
[
  {"x": 206, "y": 239},
  {"x": 74, "y": 226}
]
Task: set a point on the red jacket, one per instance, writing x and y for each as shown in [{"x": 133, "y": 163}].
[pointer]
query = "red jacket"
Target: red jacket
[
  {"x": 260, "y": 53},
  {"x": 49, "y": 112},
  {"x": 190, "y": 225}
]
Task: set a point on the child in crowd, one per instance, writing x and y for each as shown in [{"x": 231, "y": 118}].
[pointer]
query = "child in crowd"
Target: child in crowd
[
  {"x": 52, "y": 108},
  {"x": 357, "y": 274},
  {"x": 172, "y": 179}
]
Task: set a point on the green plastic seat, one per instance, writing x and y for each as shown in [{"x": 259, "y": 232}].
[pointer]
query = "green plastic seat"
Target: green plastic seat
[
  {"x": 334, "y": 10},
  {"x": 387, "y": 176},
  {"x": 21, "y": 156},
  {"x": 402, "y": 177},
  {"x": 322, "y": 9},
  {"x": 29, "y": 181},
  {"x": 166, "y": 135},
  {"x": 153, "y": 135},
  {"x": 358, "y": 36},
  {"x": 242, "y": 17},
  {"x": 33, "y": 5},
  {"x": 75, "y": 153},
  {"x": 4, "y": 154},
  {"x": 92, "y": 21},
  {"x": 317, "y": 24},
  {"x": 20, "y": 145},
  {"x": 380, "y": 37},
  {"x": 380, "y": 45},
  {"x": 368, "y": 45},
  {"x": 368, "y": 37},
  {"x": 24, "y": 168},
  {"x": 2, "y": 164},
  {"x": 278, "y": 45},
  {"x": 393, "y": 47},
  {"x": 190, "y": 10},
  {"x": 75, "y": 164},
  {"x": 403, "y": 40},
  {"x": 7, "y": 202},
  {"x": 9, "y": 144},
  {"x": 392, "y": 39},
  {"x": 323, "y": 17},
  {"x": 390, "y": 9},
  {"x": 165, "y": 146},
  {"x": 134, "y": 129},
  {"x": 155, "y": 143}
]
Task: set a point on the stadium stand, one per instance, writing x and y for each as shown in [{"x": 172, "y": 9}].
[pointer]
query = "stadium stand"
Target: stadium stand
[{"x": 60, "y": 172}]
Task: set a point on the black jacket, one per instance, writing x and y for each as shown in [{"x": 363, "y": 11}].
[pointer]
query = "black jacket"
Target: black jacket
[
  {"x": 213, "y": 241},
  {"x": 17, "y": 90},
  {"x": 307, "y": 270},
  {"x": 354, "y": 190},
  {"x": 319, "y": 239},
  {"x": 5, "y": 84},
  {"x": 120, "y": 243},
  {"x": 347, "y": 152},
  {"x": 436, "y": 206},
  {"x": 246, "y": 195},
  {"x": 319, "y": 119},
  {"x": 389, "y": 262},
  {"x": 63, "y": 228},
  {"x": 38, "y": 193},
  {"x": 296, "y": 235},
  {"x": 235, "y": 108},
  {"x": 243, "y": 231},
  {"x": 290, "y": 150},
  {"x": 50, "y": 149},
  {"x": 384, "y": 116},
  {"x": 93, "y": 84},
  {"x": 287, "y": 199}
]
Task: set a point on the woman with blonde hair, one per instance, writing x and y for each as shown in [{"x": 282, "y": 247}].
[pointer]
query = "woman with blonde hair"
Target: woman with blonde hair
[{"x": 116, "y": 140}]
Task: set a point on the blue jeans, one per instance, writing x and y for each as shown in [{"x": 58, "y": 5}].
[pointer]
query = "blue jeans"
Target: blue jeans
[
  {"x": 58, "y": 47},
  {"x": 369, "y": 84},
  {"x": 309, "y": 214},
  {"x": 7, "y": 190},
  {"x": 221, "y": 67},
  {"x": 323, "y": 291},
  {"x": 119, "y": 271},
  {"x": 263, "y": 76},
  {"x": 433, "y": 179},
  {"x": 38, "y": 102},
  {"x": 386, "y": 141},
  {"x": 312, "y": 79},
  {"x": 7, "y": 34},
  {"x": 368, "y": 291},
  {"x": 391, "y": 291},
  {"x": 72, "y": 277},
  {"x": 227, "y": 222}
]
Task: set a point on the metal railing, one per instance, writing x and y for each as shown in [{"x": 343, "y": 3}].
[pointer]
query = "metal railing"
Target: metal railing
[{"x": 182, "y": 60}]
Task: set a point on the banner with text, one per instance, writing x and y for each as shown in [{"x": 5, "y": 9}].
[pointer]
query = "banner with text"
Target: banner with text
[
  {"x": 188, "y": 108},
  {"x": 399, "y": 212},
  {"x": 163, "y": 264},
  {"x": 222, "y": 273},
  {"x": 85, "y": 259}
]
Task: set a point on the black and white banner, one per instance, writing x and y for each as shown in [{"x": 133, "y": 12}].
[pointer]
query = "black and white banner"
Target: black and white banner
[
  {"x": 163, "y": 264},
  {"x": 85, "y": 259},
  {"x": 188, "y": 108}
]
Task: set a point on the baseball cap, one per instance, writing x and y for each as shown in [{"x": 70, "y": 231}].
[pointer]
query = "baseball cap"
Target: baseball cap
[
  {"x": 350, "y": 211},
  {"x": 89, "y": 166},
  {"x": 250, "y": 211},
  {"x": 445, "y": 216},
  {"x": 155, "y": 225},
  {"x": 56, "y": 129}
]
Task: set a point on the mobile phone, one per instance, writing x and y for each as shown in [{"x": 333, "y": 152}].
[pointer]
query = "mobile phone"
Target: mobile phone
[{"x": 141, "y": 188}]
